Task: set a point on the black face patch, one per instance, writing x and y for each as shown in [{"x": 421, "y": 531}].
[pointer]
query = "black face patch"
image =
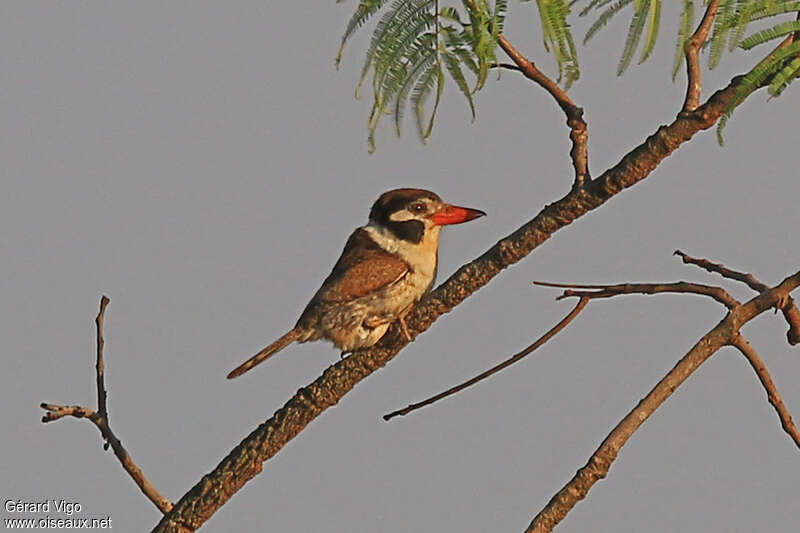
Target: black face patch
[{"x": 408, "y": 230}]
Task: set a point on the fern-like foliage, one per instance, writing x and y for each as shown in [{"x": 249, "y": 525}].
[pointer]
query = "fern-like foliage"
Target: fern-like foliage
[
  {"x": 416, "y": 46},
  {"x": 558, "y": 38},
  {"x": 646, "y": 19},
  {"x": 778, "y": 69},
  {"x": 684, "y": 34}
]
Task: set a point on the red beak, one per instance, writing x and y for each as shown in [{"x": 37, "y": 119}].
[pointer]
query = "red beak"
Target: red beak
[{"x": 452, "y": 214}]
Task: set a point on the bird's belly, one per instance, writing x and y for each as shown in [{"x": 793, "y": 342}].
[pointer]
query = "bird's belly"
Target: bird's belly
[{"x": 362, "y": 322}]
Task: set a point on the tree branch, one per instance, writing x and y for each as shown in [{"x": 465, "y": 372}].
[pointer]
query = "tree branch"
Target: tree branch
[
  {"x": 595, "y": 292},
  {"x": 773, "y": 396},
  {"x": 578, "y": 129},
  {"x": 607, "y": 291},
  {"x": 497, "y": 368},
  {"x": 245, "y": 461},
  {"x": 787, "y": 306},
  {"x": 723, "y": 334},
  {"x": 100, "y": 419},
  {"x": 722, "y": 270},
  {"x": 694, "y": 82}
]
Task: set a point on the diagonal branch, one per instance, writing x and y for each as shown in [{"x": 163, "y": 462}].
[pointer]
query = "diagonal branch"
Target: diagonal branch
[
  {"x": 790, "y": 311},
  {"x": 497, "y": 368},
  {"x": 723, "y": 334},
  {"x": 245, "y": 461},
  {"x": 577, "y": 125},
  {"x": 100, "y": 419},
  {"x": 694, "y": 82},
  {"x": 717, "y": 268},
  {"x": 773, "y": 396}
]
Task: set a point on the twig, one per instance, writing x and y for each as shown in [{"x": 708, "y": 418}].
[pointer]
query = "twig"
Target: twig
[
  {"x": 724, "y": 333},
  {"x": 497, "y": 368},
  {"x": 787, "y": 306},
  {"x": 722, "y": 270},
  {"x": 593, "y": 292},
  {"x": 694, "y": 83},
  {"x": 607, "y": 291},
  {"x": 578, "y": 129},
  {"x": 100, "y": 419},
  {"x": 507, "y": 66},
  {"x": 773, "y": 396}
]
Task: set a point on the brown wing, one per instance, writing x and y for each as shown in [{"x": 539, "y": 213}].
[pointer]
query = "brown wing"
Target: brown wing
[{"x": 362, "y": 268}]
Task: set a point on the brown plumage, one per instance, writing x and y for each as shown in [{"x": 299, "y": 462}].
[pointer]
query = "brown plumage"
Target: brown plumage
[{"x": 385, "y": 268}]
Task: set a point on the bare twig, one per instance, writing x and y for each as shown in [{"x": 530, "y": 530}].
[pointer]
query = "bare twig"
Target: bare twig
[
  {"x": 507, "y": 66},
  {"x": 100, "y": 419},
  {"x": 578, "y": 129},
  {"x": 787, "y": 306},
  {"x": 773, "y": 396},
  {"x": 724, "y": 333},
  {"x": 722, "y": 270},
  {"x": 608, "y": 291},
  {"x": 497, "y": 368},
  {"x": 593, "y": 292},
  {"x": 694, "y": 83}
]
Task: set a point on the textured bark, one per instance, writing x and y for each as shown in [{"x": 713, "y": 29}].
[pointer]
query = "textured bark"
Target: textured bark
[{"x": 245, "y": 461}]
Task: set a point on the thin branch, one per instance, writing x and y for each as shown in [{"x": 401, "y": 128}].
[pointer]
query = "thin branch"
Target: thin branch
[
  {"x": 773, "y": 396},
  {"x": 507, "y": 66},
  {"x": 595, "y": 291},
  {"x": 100, "y": 366},
  {"x": 600, "y": 462},
  {"x": 790, "y": 311},
  {"x": 607, "y": 291},
  {"x": 100, "y": 419},
  {"x": 577, "y": 125},
  {"x": 722, "y": 270},
  {"x": 497, "y": 368},
  {"x": 694, "y": 82},
  {"x": 245, "y": 460}
]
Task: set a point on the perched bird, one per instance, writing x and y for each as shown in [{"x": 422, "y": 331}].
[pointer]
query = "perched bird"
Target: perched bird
[{"x": 385, "y": 268}]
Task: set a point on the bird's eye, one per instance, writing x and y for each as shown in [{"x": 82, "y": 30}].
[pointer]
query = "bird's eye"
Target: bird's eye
[{"x": 418, "y": 207}]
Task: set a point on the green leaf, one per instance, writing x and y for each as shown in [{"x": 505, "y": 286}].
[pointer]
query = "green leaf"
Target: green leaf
[
  {"x": 653, "y": 22},
  {"x": 634, "y": 34},
  {"x": 451, "y": 61},
  {"x": 770, "y": 8},
  {"x": 783, "y": 78},
  {"x": 769, "y": 34},
  {"x": 422, "y": 89},
  {"x": 603, "y": 19},
  {"x": 775, "y": 64},
  {"x": 557, "y": 37},
  {"x": 684, "y": 34},
  {"x": 724, "y": 21},
  {"x": 421, "y": 65},
  {"x": 365, "y": 9}
]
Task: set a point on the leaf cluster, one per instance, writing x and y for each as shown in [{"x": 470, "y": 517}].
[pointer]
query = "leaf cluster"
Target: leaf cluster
[
  {"x": 416, "y": 46},
  {"x": 419, "y": 44}
]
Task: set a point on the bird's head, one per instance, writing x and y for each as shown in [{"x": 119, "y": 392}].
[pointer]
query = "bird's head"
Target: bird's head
[{"x": 411, "y": 213}]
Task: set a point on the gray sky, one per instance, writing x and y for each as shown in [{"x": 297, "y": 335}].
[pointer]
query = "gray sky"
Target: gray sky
[{"x": 202, "y": 163}]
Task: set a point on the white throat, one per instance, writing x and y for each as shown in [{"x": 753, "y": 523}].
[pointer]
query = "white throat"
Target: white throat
[{"x": 421, "y": 257}]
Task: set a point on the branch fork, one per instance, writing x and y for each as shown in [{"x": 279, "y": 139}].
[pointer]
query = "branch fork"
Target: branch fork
[
  {"x": 726, "y": 333},
  {"x": 100, "y": 419}
]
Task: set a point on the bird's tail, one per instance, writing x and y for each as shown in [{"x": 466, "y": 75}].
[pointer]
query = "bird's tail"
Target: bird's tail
[{"x": 270, "y": 350}]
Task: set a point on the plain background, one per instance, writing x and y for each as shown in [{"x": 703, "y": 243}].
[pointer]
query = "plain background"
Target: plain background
[{"x": 202, "y": 163}]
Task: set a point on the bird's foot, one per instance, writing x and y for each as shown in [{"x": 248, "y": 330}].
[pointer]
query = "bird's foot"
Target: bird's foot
[{"x": 405, "y": 329}]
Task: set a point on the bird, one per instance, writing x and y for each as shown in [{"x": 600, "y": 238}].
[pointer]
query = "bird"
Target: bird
[{"x": 385, "y": 268}]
